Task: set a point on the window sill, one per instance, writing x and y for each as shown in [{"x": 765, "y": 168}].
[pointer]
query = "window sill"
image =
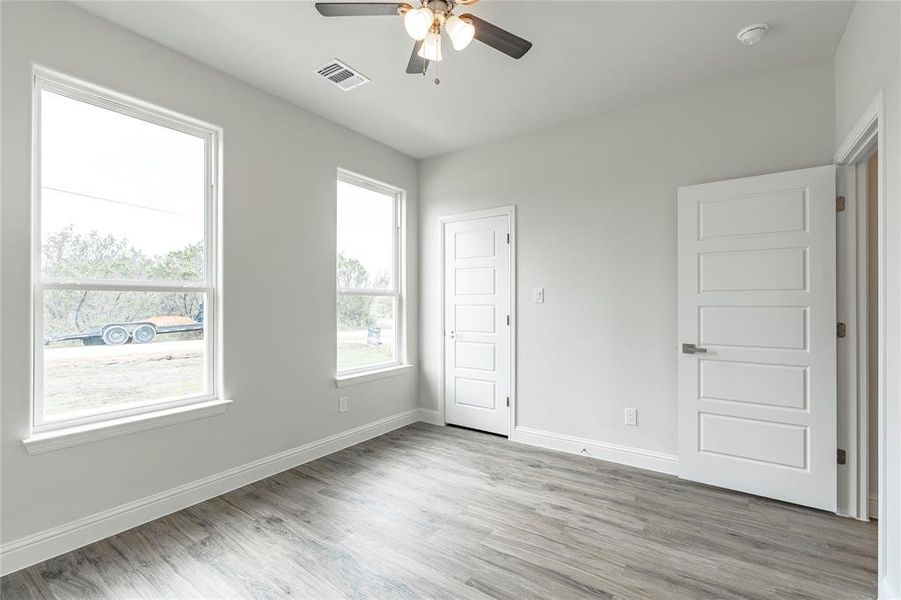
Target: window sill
[
  {"x": 49, "y": 441},
  {"x": 357, "y": 378}
]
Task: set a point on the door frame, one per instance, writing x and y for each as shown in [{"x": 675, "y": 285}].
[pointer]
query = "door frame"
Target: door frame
[
  {"x": 870, "y": 129},
  {"x": 501, "y": 211}
]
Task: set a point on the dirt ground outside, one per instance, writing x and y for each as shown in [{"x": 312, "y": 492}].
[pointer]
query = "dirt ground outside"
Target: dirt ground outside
[
  {"x": 354, "y": 350},
  {"x": 87, "y": 378},
  {"x": 79, "y": 379}
]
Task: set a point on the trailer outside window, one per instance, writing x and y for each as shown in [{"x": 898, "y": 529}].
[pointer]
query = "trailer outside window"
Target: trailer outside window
[
  {"x": 368, "y": 275},
  {"x": 124, "y": 257}
]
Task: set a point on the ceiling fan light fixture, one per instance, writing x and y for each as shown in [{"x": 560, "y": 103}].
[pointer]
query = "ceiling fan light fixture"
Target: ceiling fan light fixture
[
  {"x": 460, "y": 31},
  {"x": 418, "y": 21},
  {"x": 431, "y": 46}
]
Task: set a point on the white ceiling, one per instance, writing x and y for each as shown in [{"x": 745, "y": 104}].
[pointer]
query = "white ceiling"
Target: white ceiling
[{"x": 588, "y": 57}]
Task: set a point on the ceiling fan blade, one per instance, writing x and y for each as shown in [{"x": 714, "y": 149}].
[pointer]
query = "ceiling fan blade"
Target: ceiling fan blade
[
  {"x": 497, "y": 38},
  {"x": 361, "y": 9},
  {"x": 417, "y": 64}
]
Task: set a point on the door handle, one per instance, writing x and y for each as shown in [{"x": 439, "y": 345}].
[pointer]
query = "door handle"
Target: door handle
[{"x": 692, "y": 349}]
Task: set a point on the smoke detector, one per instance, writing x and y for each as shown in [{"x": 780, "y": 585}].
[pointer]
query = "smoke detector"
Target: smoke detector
[{"x": 752, "y": 34}]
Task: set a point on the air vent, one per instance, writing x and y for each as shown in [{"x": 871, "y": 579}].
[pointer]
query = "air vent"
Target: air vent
[{"x": 341, "y": 75}]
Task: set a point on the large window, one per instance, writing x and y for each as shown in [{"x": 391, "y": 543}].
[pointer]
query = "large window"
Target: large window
[
  {"x": 368, "y": 275},
  {"x": 124, "y": 273}
]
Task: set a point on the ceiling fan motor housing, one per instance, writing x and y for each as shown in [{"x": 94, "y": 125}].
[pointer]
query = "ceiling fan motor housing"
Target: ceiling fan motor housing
[{"x": 440, "y": 8}]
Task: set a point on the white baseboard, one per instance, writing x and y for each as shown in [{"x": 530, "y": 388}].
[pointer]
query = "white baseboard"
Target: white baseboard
[
  {"x": 873, "y": 505},
  {"x": 626, "y": 455},
  {"x": 428, "y": 415},
  {"x": 886, "y": 592},
  {"x": 38, "y": 547}
]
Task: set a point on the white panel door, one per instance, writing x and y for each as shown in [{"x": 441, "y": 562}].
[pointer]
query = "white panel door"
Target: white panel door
[
  {"x": 757, "y": 333},
  {"x": 476, "y": 327}
]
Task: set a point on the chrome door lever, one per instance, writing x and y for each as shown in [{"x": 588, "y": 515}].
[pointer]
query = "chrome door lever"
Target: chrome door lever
[{"x": 692, "y": 349}]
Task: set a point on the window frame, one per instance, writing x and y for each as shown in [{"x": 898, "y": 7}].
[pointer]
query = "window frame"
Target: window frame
[
  {"x": 397, "y": 280},
  {"x": 69, "y": 87}
]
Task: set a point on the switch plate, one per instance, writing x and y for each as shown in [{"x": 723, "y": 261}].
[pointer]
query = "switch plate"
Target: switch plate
[
  {"x": 342, "y": 404},
  {"x": 631, "y": 416},
  {"x": 538, "y": 295}
]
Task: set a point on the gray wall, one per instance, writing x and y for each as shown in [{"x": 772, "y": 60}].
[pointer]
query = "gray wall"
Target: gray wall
[
  {"x": 868, "y": 60},
  {"x": 596, "y": 227},
  {"x": 279, "y": 238}
]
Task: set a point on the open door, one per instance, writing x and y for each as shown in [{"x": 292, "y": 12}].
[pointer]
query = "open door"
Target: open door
[{"x": 757, "y": 335}]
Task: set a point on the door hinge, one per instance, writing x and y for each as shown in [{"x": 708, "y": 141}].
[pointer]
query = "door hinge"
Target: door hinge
[
  {"x": 508, "y": 319},
  {"x": 508, "y": 401},
  {"x": 839, "y": 204},
  {"x": 841, "y": 330},
  {"x": 842, "y": 456},
  {"x": 508, "y": 238}
]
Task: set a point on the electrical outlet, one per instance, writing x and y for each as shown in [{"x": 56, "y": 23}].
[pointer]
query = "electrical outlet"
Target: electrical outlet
[
  {"x": 631, "y": 416},
  {"x": 342, "y": 404},
  {"x": 538, "y": 295}
]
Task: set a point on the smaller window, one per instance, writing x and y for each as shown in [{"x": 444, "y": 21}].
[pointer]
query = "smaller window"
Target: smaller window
[{"x": 369, "y": 299}]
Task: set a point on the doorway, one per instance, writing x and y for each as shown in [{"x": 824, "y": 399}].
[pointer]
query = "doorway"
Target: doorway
[
  {"x": 478, "y": 292},
  {"x": 862, "y": 423},
  {"x": 872, "y": 325}
]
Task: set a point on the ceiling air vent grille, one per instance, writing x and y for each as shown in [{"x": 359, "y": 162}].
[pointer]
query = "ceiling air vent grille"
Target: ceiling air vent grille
[{"x": 341, "y": 75}]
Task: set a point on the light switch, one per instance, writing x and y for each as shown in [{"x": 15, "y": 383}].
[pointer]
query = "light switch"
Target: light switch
[{"x": 538, "y": 295}]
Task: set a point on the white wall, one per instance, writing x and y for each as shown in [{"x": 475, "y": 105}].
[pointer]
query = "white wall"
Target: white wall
[
  {"x": 596, "y": 227},
  {"x": 279, "y": 246},
  {"x": 866, "y": 61}
]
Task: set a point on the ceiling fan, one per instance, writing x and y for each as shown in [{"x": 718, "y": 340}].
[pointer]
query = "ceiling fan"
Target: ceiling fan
[{"x": 424, "y": 24}]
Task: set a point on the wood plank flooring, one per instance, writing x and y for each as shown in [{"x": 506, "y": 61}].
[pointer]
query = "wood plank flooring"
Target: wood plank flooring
[{"x": 441, "y": 512}]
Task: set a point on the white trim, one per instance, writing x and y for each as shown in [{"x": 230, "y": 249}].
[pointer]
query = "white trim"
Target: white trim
[
  {"x": 501, "y": 211},
  {"x": 104, "y": 97},
  {"x": 873, "y": 504},
  {"x": 41, "y": 546},
  {"x": 625, "y": 455},
  {"x": 68, "y": 437},
  {"x": 860, "y": 139},
  {"x": 362, "y": 292},
  {"x": 852, "y": 351},
  {"x": 431, "y": 416},
  {"x": 398, "y": 279},
  {"x": 885, "y": 591},
  {"x": 862, "y": 395},
  {"x": 358, "y": 378},
  {"x": 851, "y": 151},
  {"x": 123, "y": 285},
  {"x": 51, "y": 81}
]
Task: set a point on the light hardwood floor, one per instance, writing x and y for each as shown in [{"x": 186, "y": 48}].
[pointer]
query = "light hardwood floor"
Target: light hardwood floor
[{"x": 441, "y": 512}]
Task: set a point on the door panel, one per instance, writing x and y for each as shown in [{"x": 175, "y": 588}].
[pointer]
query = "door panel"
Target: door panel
[
  {"x": 753, "y": 326},
  {"x": 475, "y": 318},
  {"x": 757, "y": 410},
  {"x": 477, "y": 335},
  {"x": 772, "y": 211},
  {"x": 753, "y": 270},
  {"x": 735, "y": 437},
  {"x": 753, "y": 383}
]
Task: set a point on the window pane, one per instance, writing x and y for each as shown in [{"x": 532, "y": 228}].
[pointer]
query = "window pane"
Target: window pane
[
  {"x": 366, "y": 234},
  {"x": 107, "y": 350},
  {"x": 121, "y": 198},
  {"x": 366, "y": 326}
]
